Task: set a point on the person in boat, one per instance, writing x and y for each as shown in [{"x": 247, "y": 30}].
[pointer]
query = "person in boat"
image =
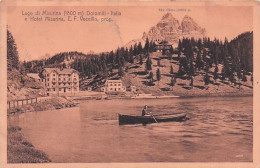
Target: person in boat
[{"x": 145, "y": 112}]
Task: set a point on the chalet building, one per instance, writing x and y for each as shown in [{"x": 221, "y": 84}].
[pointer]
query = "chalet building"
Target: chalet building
[
  {"x": 35, "y": 76},
  {"x": 60, "y": 81},
  {"x": 163, "y": 46},
  {"x": 113, "y": 86}
]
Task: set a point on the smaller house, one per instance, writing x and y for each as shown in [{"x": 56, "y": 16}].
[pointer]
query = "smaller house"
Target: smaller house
[
  {"x": 163, "y": 46},
  {"x": 113, "y": 86},
  {"x": 34, "y": 76}
]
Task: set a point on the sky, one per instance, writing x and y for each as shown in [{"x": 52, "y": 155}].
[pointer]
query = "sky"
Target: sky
[{"x": 36, "y": 39}]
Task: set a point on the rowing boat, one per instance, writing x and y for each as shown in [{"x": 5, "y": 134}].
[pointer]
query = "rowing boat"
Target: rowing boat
[{"x": 129, "y": 119}]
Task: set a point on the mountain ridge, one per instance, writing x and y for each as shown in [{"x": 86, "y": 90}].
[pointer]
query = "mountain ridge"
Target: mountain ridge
[{"x": 171, "y": 29}]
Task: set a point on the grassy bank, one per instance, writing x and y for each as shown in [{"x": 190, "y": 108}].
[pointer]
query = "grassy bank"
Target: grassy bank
[{"x": 19, "y": 150}]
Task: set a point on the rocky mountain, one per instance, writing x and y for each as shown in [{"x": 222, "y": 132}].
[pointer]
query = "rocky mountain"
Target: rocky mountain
[{"x": 171, "y": 30}]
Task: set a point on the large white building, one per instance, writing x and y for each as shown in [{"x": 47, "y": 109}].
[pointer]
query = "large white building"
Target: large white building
[
  {"x": 60, "y": 81},
  {"x": 114, "y": 86}
]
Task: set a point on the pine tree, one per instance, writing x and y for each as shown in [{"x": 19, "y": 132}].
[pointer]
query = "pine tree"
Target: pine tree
[
  {"x": 140, "y": 48},
  {"x": 141, "y": 60},
  {"x": 206, "y": 79},
  {"x": 173, "y": 82},
  {"x": 252, "y": 80},
  {"x": 12, "y": 53},
  {"x": 171, "y": 51},
  {"x": 216, "y": 73},
  {"x": 147, "y": 45},
  {"x": 171, "y": 70},
  {"x": 120, "y": 71},
  {"x": 191, "y": 71},
  {"x": 150, "y": 77},
  {"x": 158, "y": 62},
  {"x": 191, "y": 82},
  {"x": 131, "y": 57},
  {"x": 199, "y": 63},
  {"x": 158, "y": 75},
  {"x": 148, "y": 64},
  {"x": 180, "y": 71}
]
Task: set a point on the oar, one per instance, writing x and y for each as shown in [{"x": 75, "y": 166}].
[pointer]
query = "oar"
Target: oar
[{"x": 154, "y": 118}]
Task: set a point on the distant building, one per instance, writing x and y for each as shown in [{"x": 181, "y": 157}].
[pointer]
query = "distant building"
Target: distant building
[
  {"x": 34, "y": 76},
  {"x": 60, "y": 81},
  {"x": 163, "y": 46},
  {"x": 113, "y": 86}
]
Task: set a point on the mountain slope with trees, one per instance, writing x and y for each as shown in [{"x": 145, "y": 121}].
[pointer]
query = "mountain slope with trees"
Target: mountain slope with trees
[{"x": 194, "y": 67}]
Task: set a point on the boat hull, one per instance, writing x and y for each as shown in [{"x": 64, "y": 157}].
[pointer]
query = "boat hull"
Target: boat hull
[{"x": 128, "y": 119}]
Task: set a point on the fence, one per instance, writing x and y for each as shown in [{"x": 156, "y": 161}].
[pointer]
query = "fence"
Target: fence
[{"x": 16, "y": 103}]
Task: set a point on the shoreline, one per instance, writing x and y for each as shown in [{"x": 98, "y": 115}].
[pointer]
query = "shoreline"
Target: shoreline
[
  {"x": 53, "y": 103},
  {"x": 20, "y": 150}
]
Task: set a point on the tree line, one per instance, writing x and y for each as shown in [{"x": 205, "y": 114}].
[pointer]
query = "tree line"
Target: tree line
[{"x": 198, "y": 56}]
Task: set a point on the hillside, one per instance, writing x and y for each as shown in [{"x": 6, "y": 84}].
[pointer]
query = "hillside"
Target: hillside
[
  {"x": 21, "y": 86},
  {"x": 136, "y": 76},
  {"x": 63, "y": 59}
]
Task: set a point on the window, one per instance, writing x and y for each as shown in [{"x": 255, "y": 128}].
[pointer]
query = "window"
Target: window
[
  {"x": 53, "y": 89},
  {"x": 118, "y": 84},
  {"x": 48, "y": 89},
  {"x": 48, "y": 79},
  {"x": 53, "y": 79},
  {"x": 48, "y": 84},
  {"x": 47, "y": 75},
  {"x": 115, "y": 84},
  {"x": 118, "y": 88},
  {"x": 64, "y": 84},
  {"x": 60, "y": 89},
  {"x": 111, "y": 89},
  {"x": 111, "y": 84},
  {"x": 53, "y": 74},
  {"x": 64, "y": 79}
]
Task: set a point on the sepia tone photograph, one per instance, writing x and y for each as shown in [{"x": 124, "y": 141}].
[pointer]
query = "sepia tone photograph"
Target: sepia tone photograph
[{"x": 129, "y": 83}]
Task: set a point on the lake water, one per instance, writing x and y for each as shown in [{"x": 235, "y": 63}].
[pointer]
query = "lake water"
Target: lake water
[{"x": 220, "y": 129}]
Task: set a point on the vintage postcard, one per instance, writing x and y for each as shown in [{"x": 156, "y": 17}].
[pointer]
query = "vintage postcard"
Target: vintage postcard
[{"x": 130, "y": 84}]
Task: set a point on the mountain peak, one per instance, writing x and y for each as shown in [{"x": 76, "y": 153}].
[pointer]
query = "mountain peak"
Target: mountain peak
[
  {"x": 189, "y": 25},
  {"x": 167, "y": 15},
  {"x": 171, "y": 30}
]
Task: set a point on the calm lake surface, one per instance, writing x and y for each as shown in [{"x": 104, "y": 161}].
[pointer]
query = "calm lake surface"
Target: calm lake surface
[{"x": 219, "y": 129}]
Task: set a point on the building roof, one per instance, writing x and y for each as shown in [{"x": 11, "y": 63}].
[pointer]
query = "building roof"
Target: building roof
[
  {"x": 119, "y": 80},
  {"x": 33, "y": 75},
  {"x": 60, "y": 71}
]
